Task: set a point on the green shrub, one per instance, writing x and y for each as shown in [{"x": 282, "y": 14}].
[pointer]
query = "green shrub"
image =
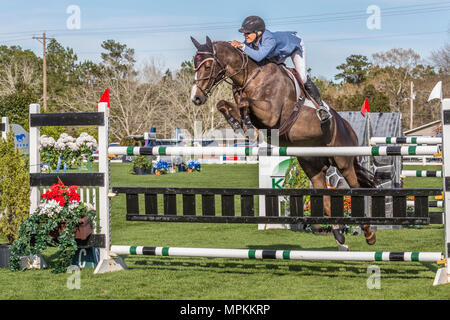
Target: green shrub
[
  {"x": 141, "y": 162},
  {"x": 14, "y": 188}
]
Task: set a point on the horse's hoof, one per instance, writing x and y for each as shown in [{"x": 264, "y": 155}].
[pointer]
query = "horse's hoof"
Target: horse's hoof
[
  {"x": 342, "y": 247},
  {"x": 239, "y": 131},
  {"x": 339, "y": 236},
  {"x": 251, "y": 134},
  {"x": 371, "y": 239}
]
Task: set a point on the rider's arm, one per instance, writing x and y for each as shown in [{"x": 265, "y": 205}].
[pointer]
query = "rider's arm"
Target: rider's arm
[{"x": 264, "y": 49}]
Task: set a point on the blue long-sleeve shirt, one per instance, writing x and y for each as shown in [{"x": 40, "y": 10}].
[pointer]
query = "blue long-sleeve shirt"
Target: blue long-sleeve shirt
[{"x": 274, "y": 45}]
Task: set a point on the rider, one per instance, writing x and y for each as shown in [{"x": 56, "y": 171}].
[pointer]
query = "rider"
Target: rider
[{"x": 260, "y": 43}]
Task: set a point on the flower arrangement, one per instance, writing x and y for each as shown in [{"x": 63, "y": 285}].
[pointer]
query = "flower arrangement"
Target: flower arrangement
[
  {"x": 54, "y": 223},
  {"x": 193, "y": 165},
  {"x": 161, "y": 167},
  {"x": 72, "y": 151}
]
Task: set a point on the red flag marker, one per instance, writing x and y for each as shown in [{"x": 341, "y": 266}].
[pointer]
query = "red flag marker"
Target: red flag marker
[
  {"x": 105, "y": 97},
  {"x": 365, "y": 107}
]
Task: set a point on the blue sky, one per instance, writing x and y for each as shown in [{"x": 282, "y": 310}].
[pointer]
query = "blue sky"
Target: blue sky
[{"x": 331, "y": 29}]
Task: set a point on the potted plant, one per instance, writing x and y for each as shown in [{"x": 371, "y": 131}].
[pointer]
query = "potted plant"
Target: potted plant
[
  {"x": 193, "y": 165},
  {"x": 141, "y": 165},
  {"x": 58, "y": 222},
  {"x": 67, "y": 150},
  {"x": 161, "y": 167}
]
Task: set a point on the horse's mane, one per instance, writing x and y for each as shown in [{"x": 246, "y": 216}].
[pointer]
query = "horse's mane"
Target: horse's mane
[{"x": 228, "y": 45}]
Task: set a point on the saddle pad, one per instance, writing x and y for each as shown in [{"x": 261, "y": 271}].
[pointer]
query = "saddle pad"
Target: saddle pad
[
  {"x": 307, "y": 103},
  {"x": 291, "y": 75}
]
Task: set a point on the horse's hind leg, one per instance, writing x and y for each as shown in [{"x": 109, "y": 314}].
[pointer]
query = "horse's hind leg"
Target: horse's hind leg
[
  {"x": 316, "y": 172},
  {"x": 347, "y": 169}
]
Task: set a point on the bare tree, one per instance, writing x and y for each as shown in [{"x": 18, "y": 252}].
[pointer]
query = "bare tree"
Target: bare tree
[
  {"x": 133, "y": 104},
  {"x": 180, "y": 111},
  {"x": 21, "y": 71},
  {"x": 441, "y": 59},
  {"x": 394, "y": 70}
]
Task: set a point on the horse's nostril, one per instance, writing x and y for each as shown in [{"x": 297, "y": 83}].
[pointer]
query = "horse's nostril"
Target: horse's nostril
[{"x": 197, "y": 100}]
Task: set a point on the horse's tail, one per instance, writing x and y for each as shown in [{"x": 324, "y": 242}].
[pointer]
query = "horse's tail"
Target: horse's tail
[{"x": 366, "y": 178}]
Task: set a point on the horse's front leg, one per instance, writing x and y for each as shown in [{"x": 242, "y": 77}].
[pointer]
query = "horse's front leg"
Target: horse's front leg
[
  {"x": 244, "y": 111},
  {"x": 231, "y": 113}
]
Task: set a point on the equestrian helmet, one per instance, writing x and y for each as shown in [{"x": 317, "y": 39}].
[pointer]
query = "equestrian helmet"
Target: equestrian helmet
[{"x": 252, "y": 24}]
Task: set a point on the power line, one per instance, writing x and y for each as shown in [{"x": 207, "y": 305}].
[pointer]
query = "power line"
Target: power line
[
  {"x": 384, "y": 36},
  {"x": 303, "y": 19}
]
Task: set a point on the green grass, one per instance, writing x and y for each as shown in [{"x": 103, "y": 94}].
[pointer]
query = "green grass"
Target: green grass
[{"x": 205, "y": 278}]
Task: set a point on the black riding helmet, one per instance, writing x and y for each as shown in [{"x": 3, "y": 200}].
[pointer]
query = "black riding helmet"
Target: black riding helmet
[{"x": 252, "y": 24}]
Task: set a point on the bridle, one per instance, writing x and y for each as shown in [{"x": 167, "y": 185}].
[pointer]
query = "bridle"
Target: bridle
[{"x": 213, "y": 82}]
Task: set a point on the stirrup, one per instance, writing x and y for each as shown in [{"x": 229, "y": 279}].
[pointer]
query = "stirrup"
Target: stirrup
[{"x": 324, "y": 114}]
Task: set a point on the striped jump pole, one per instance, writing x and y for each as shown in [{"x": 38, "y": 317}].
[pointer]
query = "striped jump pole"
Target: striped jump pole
[
  {"x": 421, "y": 173},
  {"x": 277, "y": 254},
  {"x": 431, "y": 204},
  {"x": 406, "y": 140},
  {"x": 277, "y": 151}
]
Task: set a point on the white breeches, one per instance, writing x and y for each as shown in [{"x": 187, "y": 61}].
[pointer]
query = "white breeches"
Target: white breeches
[{"x": 299, "y": 61}]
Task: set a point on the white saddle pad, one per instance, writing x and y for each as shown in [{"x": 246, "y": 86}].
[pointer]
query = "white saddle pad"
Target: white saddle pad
[{"x": 308, "y": 102}]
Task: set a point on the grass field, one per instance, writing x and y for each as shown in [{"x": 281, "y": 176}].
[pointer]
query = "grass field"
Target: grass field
[{"x": 169, "y": 278}]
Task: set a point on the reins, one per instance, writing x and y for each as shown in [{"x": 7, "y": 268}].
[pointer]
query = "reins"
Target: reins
[{"x": 221, "y": 75}]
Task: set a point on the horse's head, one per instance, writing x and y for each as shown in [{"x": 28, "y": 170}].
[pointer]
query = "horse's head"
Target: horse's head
[{"x": 208, "y": 71}]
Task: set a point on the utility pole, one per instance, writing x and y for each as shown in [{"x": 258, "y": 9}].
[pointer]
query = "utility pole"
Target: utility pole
[
  {"x": 44, "y": 61},
  {"x": 413, "y": 96}
]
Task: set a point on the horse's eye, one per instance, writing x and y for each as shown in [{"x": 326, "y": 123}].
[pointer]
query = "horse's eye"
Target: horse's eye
[{"x": 207, "y": 67}]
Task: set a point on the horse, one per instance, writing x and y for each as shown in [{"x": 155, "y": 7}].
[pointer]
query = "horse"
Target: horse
[{"x": 265, "y": 98}]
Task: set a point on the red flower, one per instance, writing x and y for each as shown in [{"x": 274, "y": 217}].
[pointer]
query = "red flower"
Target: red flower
[{"x": 60, "y": 193}]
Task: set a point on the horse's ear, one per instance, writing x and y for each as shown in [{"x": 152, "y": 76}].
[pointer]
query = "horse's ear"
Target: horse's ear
[
  {"x": 209, "y": 42},
  {"x": 195, "y": 42}
]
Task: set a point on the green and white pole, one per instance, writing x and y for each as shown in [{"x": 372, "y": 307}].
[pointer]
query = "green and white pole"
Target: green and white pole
[
  {"x": 406, "y": 140},
  {"x": 421, "y": 173},
  {"x": 277, "y": 254},
  {"x": 277, "y": 151}
]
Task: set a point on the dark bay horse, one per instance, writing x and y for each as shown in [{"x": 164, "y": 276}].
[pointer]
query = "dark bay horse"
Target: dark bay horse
[{"x": 265, "y": 97}]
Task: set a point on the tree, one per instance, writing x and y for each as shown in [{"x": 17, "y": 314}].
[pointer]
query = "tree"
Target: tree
[
  {"x": 393, "y": 70},
  {"x": 119, "y": 58},
  {"x": 354, "y": 70},
  {"x": 18, "y": 69},
  {"x": 62, "y": 71},
  {"x": 441, "y": 59}
]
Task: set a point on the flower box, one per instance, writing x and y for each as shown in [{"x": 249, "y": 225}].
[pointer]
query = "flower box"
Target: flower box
[
  {"x": 5, "y": 252},
  {"x": 82, "y": 231}
]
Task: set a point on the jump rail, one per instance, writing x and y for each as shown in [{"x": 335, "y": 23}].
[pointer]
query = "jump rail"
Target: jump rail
[
  {"x": 406, "y": 140},
  {"x": 277, "y": 151}
]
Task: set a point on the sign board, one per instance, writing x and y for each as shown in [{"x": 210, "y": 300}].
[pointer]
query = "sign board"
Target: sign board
[
  {"x": 271, "y": 175},
  {"x": 21, "y": 138}
]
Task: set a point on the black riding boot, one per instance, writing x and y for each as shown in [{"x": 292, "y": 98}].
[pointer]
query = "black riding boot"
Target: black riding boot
[{"x": 323, "y": 113}]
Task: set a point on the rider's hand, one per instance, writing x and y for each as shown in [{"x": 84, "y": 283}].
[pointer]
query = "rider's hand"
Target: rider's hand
[{"x": 236, "y": 44}]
